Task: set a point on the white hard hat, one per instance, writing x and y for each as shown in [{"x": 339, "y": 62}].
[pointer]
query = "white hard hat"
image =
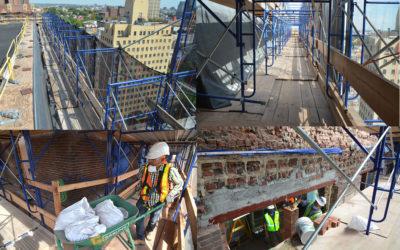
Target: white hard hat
[
  {"x": 321, "y": 201},
  {"x": 270, "y": 207},
  {"x": 157, "y": 150}
]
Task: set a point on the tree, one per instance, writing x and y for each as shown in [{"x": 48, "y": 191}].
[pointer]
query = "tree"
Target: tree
[{"x": 52, "y": 10}]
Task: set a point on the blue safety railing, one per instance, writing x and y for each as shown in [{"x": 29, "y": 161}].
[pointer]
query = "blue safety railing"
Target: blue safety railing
[{"x": 70, "y": 42}]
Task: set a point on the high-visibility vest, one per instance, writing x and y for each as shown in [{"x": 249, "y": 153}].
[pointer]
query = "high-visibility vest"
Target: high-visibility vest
[
  {"x": 161, "y": 186},
  {"x": 307, "y": 212},
  {"x": 272, "y": 224}
]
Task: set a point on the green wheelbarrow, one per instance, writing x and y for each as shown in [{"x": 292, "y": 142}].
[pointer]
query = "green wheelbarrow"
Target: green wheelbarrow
[{"x": 98, "y": 241}]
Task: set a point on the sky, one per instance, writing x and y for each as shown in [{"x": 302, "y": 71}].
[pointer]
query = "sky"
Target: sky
[{"x": 164, "y": 3}]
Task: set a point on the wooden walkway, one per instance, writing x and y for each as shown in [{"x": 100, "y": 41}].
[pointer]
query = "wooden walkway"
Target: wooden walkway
[
  {"x": 15, "y": 223},
  {"x": 290, "y": 91}
]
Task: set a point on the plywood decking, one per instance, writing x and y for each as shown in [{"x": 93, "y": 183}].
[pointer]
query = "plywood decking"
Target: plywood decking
[
  {"x": 14, "y": 223},
  {"x": 291, "y": 94}
]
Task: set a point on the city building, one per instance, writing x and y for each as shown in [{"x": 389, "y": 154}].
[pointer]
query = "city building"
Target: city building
[
  {"x": 152, "y": 54},
  {"x": 112, "y": 12},
  {"x": 154, "y": 9},
  {"x": 15, "y": 7},
  {"x": 154, "y": 51}
]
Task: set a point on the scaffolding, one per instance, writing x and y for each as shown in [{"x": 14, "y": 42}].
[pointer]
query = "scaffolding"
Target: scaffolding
[
  {"x": 117, "y": 145},
  {"x": 327, "y": 30},
  {"x": 105, "y": 79},
  {"x": 386, "y": 148}
]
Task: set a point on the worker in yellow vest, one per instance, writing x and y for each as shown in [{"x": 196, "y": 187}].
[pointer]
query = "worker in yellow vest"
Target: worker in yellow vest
[
  {"x": 155, "y": 178},
  {"x": 272, "y": 225},
  {"x": 311, "y": 209}
]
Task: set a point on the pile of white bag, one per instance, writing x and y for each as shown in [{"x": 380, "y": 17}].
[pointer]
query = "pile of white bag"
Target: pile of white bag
[{"x": 80, "y": 222}]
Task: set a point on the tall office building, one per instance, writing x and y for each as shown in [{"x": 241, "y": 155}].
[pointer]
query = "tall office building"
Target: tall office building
[
  {"x": 153, "y": 53},
  {"x": 154, "y": 9}
]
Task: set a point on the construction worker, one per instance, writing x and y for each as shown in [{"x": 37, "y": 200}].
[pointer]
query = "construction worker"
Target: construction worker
[
  {"x": 272, "y": 225},
  {"x": 155, "y": 179},
  {"x": 312, "y": 210}
]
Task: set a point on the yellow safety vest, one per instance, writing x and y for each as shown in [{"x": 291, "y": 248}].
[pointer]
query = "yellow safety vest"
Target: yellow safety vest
[
  {"x": 308, "y": 210},
  {"x": 272, "y": 224},
  {"x": 161, "y": 186}
]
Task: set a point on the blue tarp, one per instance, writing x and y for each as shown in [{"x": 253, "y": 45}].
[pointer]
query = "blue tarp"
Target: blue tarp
[{"x": 123, "y": 162}]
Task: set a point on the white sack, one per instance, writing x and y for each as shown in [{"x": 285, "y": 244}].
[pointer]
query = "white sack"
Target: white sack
[
  {"x": 85, "y": 228},
  {"x": 109, "y": 214},
  {"x": 73, "y": 213},
  {"x": 124, "y": 212},
  {"x": 359, "y": 223}
]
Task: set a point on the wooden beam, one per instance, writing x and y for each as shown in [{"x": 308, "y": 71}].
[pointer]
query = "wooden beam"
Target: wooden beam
[
  {"x": 56, "y": 197},
  {"x": 128, "y": 175},
  {"x": 85, "y": 184},
  {"x": 129, "y": 190},
  {"x": 192, "y": 214},
  {"x": 181, "y": 232},
  {"x": 379, "y": 93},
  {"x": 49, "y": 219},
  {"x": 41, "y": 185},
  {"x": 165, "y": 115}
]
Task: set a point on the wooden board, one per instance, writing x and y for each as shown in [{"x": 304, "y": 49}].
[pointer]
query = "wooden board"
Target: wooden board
[
  {"x": 192, "y": 214},
  {"x": 379, "y": 93},
  {"x": 49, "y": 220}
]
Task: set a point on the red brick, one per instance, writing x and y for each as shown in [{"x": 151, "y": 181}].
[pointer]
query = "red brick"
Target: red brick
[{"x": 292, "y": 162}]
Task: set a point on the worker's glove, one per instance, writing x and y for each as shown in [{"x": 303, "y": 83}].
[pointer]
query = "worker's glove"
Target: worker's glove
[{"x": 169, "y": 199}]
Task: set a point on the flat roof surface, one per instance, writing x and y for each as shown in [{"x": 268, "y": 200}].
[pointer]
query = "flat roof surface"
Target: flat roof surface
[{"x": 8, "y": 33}]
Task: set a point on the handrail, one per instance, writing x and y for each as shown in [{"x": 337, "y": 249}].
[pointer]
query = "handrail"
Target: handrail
[{"x": 9, "y": 62}]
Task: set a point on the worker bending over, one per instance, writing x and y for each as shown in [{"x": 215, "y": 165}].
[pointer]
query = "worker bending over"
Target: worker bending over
[
  {"x": 155, "y": 179},
  {"x": 272, "y": 225},
  {"x": 312, "y": 210}
]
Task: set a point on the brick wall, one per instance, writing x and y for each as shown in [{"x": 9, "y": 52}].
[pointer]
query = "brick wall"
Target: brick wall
[
  {"x": 233, "y": 185},
  {"x": 70, "y": 154}
]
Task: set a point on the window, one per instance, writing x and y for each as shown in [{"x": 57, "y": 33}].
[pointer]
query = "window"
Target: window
[
  {"x": 393, "y": 71},
  {"x": 134, "y": 33},
  {"x": 124, "y": 42},
  {"x": 384, "y": 71}
]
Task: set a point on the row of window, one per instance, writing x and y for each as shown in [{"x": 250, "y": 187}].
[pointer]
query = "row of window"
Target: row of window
[
  {"x": 146, "y": 48},
  {"x": 148, "y": 41},
  {"x": 384, "y": 71}
]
